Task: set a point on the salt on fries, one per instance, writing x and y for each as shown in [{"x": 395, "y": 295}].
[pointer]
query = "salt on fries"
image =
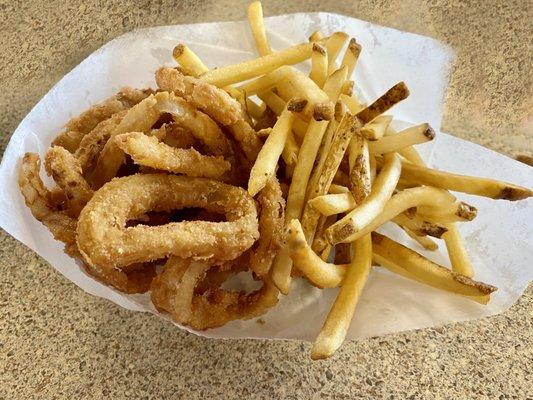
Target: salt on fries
[{"x": 322, "y": 169}]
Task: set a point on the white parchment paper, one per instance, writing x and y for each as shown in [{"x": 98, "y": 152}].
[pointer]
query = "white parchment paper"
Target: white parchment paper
[{"x": 499, "y": 240}]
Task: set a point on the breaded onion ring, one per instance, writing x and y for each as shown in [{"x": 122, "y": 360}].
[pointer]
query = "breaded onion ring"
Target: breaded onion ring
[
  {"x": 64, "y": 168},
  {"x": 104, "y": 239},
  {"x": 78, "y": 127},
  {"x": 149, "y": 151},
  {"x": 37, "y": 198},
  {"x": 271, "y": 228},
  {"x": 216, "y": 103},
  {"x": 174, "y": 291}
]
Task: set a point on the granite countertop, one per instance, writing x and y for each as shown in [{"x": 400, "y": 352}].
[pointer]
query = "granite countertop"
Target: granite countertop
[{"x": 58, "y": 342}]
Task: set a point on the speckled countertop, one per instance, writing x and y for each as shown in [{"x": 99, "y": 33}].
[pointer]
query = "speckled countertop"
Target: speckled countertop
[{"x": 58, "y": 342}]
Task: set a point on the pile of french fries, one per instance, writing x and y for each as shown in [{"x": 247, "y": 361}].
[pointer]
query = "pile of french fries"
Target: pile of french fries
[{"x": 348, "y": 173}]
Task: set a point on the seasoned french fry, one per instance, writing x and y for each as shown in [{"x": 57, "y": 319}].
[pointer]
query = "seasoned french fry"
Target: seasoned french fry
[
  {"x": 335, "y": 189},
  {"x": 267, "y": 160},
  {"x": 188, "y": 60},
  {"x": 391, "y": 97},
  {"x": 359, "y": 163},
  {"x": 319, "y": 272},
  {"x": 331, "y": 204},
  {"x": 351, "y": 55},
  {"x": 374, "y": 204},
  {"x": 255, "y": 19},
  {"x": 409, "y": 153},
  {"x": 340, "y": 316},
  {"x": 376, "y": 128},
  {"x": 408, "y": 137},
  {"x": 277, "y": 104},
  {"x": 346, "y": 229},
  {"x": 394, "y": 256},
  {"x": 319, "y": 65},
  {"x": 234, "y": 73},
  {"x": 457, "y": 252},
  {"x": 334, "y": 45},
  {"x": 462, "y": 183}
]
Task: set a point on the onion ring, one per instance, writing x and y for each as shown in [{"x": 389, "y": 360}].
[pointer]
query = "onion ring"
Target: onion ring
[
  {"x": 37, "y": 198},
  {"x": 174, "y": 291},
  {"x": 64, "y": 168},
  {"x": 78, "y": 127},
  {"x": 148, "y": 151},
  {"x": 104, "y": 239},
  {"x": 271, "y": 228},
  {"x": 216, "y": 103}
]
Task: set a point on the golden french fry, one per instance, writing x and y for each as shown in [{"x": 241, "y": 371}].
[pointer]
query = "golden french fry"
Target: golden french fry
[
  {"x": 234, "y": 73},
  {"x": 373, "y": 205},
  {"x": 343, "y": 253},
  {"x": 277, "y": 104},
  {"x": 351, "y": 55},
  {"x": 346, "y": 230},
  {"x": 319, "y": 272},
  {"x": 391, "y": 97},
  {"x": 188, "y": 60},
  {"x": 458, "y": 211},
  {"x": 360, "y": 181},
  {"x": 347, "y": 88},
  {"x": 316, "y": 36},
  {"x": 340, "y": 316},
  {"x": 255, "y": 19},
  {"x": 265, "y": 82},
  {"x": 462, "y": 183},
  {"x": 319, "y": 65},
  {"x": 423, "y": 241},
  {"x": 320, "y": 243},
  {"x": 335, "y": 189},
  {"x": 376, "y": 128},
  {"x": 254, "y": 110},
  {"x": 267, "y": 159},
  {"x": 334, "y": 45},
  {"x": 408, "y": 137},
  {"x": 409, "y": 153},
  {"x": 419, "y": 226},
  {"x": 457, "y": 252},
  {"x": 331, "y": 204},
  {"x": 395, "y": 256},
  {"x": 290, "y": 153},
  {"x": 354, "y": 106}
]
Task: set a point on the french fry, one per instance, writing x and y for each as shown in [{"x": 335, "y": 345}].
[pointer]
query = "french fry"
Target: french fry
[
  {"x": 326, "y": 252},
  {"x": 391, "y": 97},
  {"x": 340, "y": 316},
  {"x": 335, "y": 189},
  {"x": 373, "y": 205},
  {"x": 348, "y": 126},
  {"x": 351, "y": 55},
  {"x": 423, "y": 241},
  {"x": 254, "y": 110},
  {"x": 266, "y": 82},
  {"x": 234, "y": 73},
  {"x": 188, "y": 60},
  {"x": 343, "y": 253},
  {"x": 277, "y": 104},
  {"x": 267, "y": 159},
  {"x": 320, "y": 243},
  {"x": 376, "y": 128},
  {"x": 316, "y": 36},
  {"x": 394, "y": 256},
  {"x": 334, "y": 45},
  {"x": 319, "y": 65},
  {"x": 346, "y": 229},
  {"x": 466, "y": 184},
  {"x": 332, "y": 204},
  {"x": 359, "y": 163},
  {"x": 458, "y": 211},
  {"x": 457, "y": 252},
  {"x": 319, "y": 105},
  {"x": 406, "y": 138},
  {"x": 347, "y": 88},
  {"x": 419, "y": 226},
  {"x": 352, "y": 103},
  {"x": 290, "y": 153},
  {"x": 320, "y": 273},
  {"x": 409, "y": 153},
  {"x": 255, "y": 19}
]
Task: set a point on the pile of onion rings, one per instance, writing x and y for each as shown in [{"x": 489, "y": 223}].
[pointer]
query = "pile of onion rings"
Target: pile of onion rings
[{"x": 151, "y": 196}]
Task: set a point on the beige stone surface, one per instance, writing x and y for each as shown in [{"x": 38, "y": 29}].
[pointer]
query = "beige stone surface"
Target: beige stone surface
[{"x": 58, "y": 342}]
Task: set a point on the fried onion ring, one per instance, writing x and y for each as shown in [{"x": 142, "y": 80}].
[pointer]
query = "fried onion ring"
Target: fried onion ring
[
  {"x": 271, "y": 228},
  {"x": 64, "y": 168},
  {"x": 104, "y": 239},
  {"x": 148, "y": 151},
  {"x": 174, "y": 291},
  {"x": 216, "y": 103}
]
